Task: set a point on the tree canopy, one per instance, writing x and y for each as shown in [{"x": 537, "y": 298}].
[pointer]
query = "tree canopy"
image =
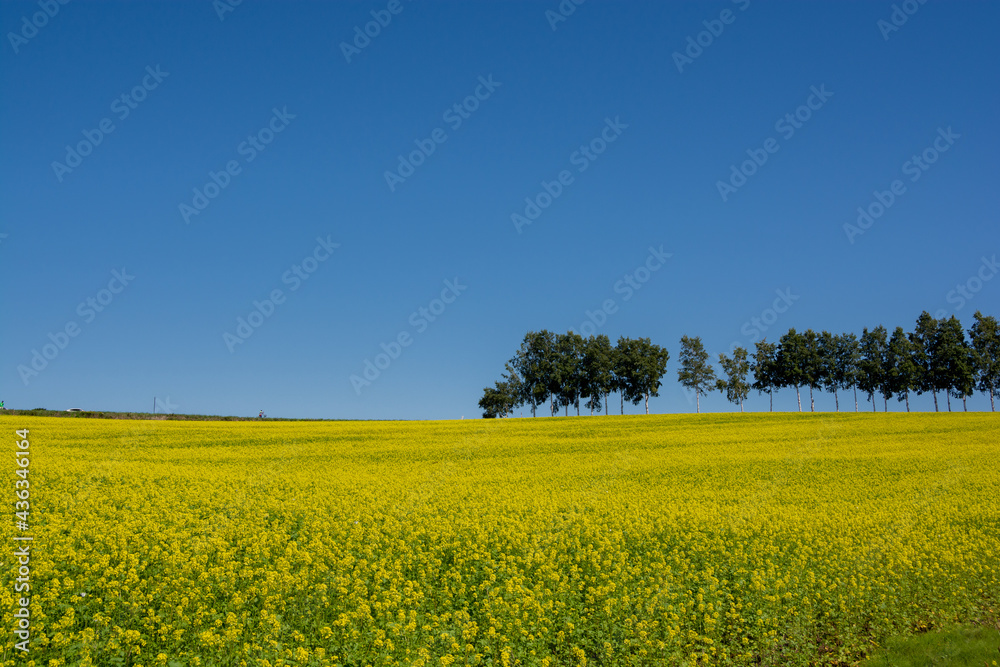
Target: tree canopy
[{"x": 563, "y": 370}]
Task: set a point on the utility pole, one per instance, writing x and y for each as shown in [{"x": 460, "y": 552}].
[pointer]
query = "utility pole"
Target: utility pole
[{"x": 154, "y": 405}]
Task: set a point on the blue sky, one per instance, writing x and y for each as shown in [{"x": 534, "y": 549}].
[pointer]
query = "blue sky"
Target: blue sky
[{"x": 250, "y": 150}]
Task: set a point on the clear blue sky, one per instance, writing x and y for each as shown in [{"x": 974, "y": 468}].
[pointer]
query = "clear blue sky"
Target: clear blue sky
[{"x": 327, "y": 130}]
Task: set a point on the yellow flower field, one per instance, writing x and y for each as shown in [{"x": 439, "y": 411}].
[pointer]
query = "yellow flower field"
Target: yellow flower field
[{"x": 726, "y": 539}]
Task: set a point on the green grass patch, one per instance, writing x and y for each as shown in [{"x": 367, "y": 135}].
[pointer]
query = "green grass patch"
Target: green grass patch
[{"x": 963, "y": 645}]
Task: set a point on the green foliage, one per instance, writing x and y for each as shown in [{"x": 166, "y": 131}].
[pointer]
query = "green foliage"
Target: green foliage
[
  {"x": 874, "y": 351},
  {"x": 813, "y": 367},
  {"x": 565, "y": 369},
  {"x": 901, "y": 366},
  {"x": 955, "y": 363},
  {"x": 923, "y": 339},
  {"x": 735, "y": 385},
  {"x": 640, "y": 367},
  {"x": 953, "y": 647},
  {"x": 846, "y": 371},
  {"x": 826, "y": 344},
  {"x": 598, "y": 371},
  {"x": 534, "y": 364},
  {"x": 765, "y": 367},
  {"x": 499, "y": 400},
  {"x": 793, "y": 362},
  {"x": 986, "y": 347},
  {"x": 695, "y": 372},
  {"x": 567, "y": 379}
]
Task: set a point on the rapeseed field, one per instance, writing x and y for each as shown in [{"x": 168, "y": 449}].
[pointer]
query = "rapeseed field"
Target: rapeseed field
[{"x": 757, "y": 539}]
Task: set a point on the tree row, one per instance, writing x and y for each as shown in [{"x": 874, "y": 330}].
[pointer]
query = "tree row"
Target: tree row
[{"x": 565, "y": 370}]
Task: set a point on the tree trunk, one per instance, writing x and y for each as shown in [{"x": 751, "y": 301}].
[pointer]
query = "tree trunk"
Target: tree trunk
[
  {"x": 812, "y": 403},
  {"x": 647, "y": 403},
  {"x": 798, "y": 397},
  {"x": 855, "y": 398},
  {"x": 965, "y": 408},
  {"x": 741, "y": 406},
  {"x": 771, "y": 394},
  {"x": 836, "y": 399},
  {"x": 606, "y": 405},
  {"x": 907, "y": 397},
  {"x": 948, "y": 396},
  {"x": 623, "y": 402},
  {"x": 871, "y": 397},
  {"x": 935, "y": 400},
  {"x": 886, "y": 408},
  {"x": 992, "y": 407},
  {"x": 697, "y": 400}
]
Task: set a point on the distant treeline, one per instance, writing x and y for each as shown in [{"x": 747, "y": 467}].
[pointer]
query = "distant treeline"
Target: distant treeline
[
  {"x": 563, "y": 370},
  {"x": 104, "y": 414}
]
